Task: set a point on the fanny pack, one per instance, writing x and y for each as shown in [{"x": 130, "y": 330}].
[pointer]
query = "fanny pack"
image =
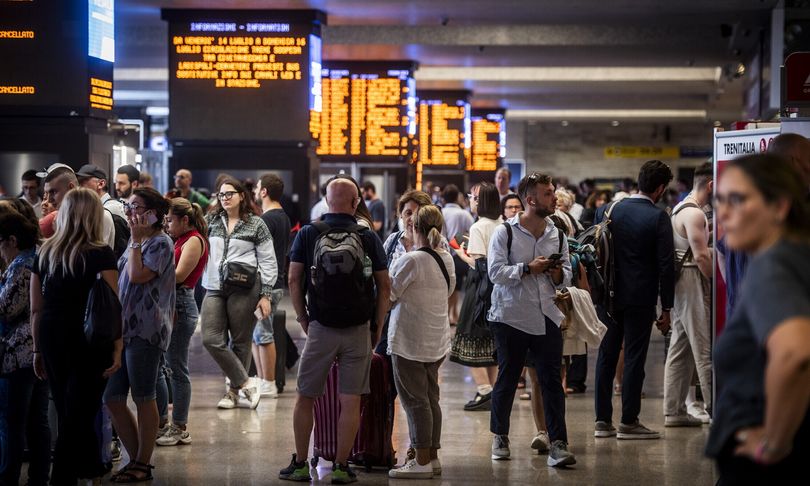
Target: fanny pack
[{"x": 239, "y": 275}]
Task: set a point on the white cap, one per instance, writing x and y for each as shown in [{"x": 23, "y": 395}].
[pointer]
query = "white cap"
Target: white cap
[{"x": 44, "y": 173}]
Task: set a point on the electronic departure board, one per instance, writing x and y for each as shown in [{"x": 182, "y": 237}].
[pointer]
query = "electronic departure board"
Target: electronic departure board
[
  {"x": 56, "y": 57},
  {"x": 243, "y": 75},
  {"x": 369, "y": 111},
  {"x": 488, "y": 146},
  {"x": 443, "y": 128}
]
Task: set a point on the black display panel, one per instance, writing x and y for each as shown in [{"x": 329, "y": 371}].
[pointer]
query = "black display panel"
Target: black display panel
[
  {"x": 243, "y": 75},
  {"x": 46, "y": 66},
  {"x": 369, "y": 111},
  {"x": 443, "y": 129},
  {"x": 488, "y": 146}
]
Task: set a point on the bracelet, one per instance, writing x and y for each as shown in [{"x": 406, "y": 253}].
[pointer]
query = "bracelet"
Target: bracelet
[{"x": 760, "y": 451}]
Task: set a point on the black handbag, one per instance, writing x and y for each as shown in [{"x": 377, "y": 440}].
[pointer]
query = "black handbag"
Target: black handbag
[
  {"x": 239, "y": 275},
  {"x": 103, "y": 323}
]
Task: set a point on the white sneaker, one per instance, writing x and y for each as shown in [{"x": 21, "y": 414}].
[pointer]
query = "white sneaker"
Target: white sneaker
[
  {"x": 162, "y": 430},
  {"x": 541, "y": 443},
  {"x": 698, "y": 410},
  {"x": 174, "y": 436},
  {"x": 251, "y": 394},
  {"x": 412, "y": 470},
  {"x": 230, "y": 400},
  {"x": 684, "y": 420},
  {"x": 268, "y": 389},
  {"x": 437, "y": 467}
]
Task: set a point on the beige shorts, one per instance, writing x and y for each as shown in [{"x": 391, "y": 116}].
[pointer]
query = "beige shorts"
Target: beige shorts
[{"x": 352, "y": 348}]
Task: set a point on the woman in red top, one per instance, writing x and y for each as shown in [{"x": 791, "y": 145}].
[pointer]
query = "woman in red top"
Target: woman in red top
[{"x": 185, "y": 223}]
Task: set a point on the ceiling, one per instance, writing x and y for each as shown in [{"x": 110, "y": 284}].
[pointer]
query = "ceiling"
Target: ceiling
[{"x": 523, "y": 55}]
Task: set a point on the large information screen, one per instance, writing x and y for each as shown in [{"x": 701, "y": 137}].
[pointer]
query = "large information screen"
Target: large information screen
[
  {"x": 243, "y": 75},
  {"x": 56, "y": 57},
  {"x": 369, "y": 111},
  {"x": 488, "y": 139},
  {"x": 443, "y": 128}
]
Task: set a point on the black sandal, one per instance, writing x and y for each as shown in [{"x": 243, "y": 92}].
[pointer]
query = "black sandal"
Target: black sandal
[
  {"x": 120, "y": 471},
  {"x": 126, "y": 475}
]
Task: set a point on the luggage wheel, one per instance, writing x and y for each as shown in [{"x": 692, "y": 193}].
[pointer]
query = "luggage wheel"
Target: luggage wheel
[{"x": 314, "y": 461}]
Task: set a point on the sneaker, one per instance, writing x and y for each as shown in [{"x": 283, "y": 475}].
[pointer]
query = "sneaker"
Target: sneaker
[
  {"x": 174, "y": 436},
  {"x": 296, "y": 471},
  {"x": 500, "y": 447},
  {"x": 412, "y": 470},
  {"x": 604, "y": 429},
  {"x": 251, "y": 394},
  {"x": 636, "y": 431},
  {"x": 162, "y": 430},
  {"x": 230, "y": 400},
  {"x": 684, "y": 420},
  {"x": 541, "y": 443},
  {"x": 525, "y": 396},
  {"x": 698, "y": 410},
  {"x": 343, "y": 474},
  {"x": 268, "y": 389},
  {"x": 436, "y": 465},
  {"x": 559, "y": 455},
  {"x": 115, "y": 450},
  {"x": 479, "y": 403}
]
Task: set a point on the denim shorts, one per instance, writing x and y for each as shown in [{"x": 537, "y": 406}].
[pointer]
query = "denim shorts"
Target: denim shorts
[
  {"x": 140, "y": 362},
  {"x": 263, "y": 332}
]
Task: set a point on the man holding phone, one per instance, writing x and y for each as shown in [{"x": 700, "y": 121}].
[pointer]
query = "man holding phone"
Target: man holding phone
[{"x": 523, "y": 316}]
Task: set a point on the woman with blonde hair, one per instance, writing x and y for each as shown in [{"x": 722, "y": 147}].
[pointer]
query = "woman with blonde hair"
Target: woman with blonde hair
[
  {"x": 419, "y": 338},
  {"x": 185, "y": 223},
  {"x": 64, "y": 272}
]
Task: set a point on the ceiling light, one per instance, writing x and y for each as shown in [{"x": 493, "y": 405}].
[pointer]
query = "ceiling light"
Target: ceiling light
[
  {"x": 614, "y": 123},
  {"x": 614, "y": 115},
  {"x": 564, "y": 123},
  {"x": 569, "y": 74}
]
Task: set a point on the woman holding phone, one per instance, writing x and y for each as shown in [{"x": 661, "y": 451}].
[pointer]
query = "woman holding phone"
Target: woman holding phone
[{"x": 147, "y": 299}]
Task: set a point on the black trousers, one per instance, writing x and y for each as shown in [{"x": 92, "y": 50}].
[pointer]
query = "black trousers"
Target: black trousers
[
  {"x": 633, "y": 326},
  {"x": 27, "y": 418},
  {"x": 736, "y": 470},
  {"x": 546, "y": 351}
]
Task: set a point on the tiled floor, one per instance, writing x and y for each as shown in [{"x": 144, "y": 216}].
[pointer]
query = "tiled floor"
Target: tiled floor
[{"x": 241, "y": 447}]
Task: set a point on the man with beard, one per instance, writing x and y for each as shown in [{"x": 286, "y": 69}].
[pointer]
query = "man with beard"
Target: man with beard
[
  {"x": 528, "y": 262},
  {"x": 644, "y": 264},
  {"x": 126, "y": 179}
]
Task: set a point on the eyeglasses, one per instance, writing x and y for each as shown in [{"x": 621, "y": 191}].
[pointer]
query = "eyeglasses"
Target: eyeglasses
[
  {"x": 732, "y": 199},
  {"x": 134, "y": 207},
  {"x": 516, "y": 207},
  {"x": 226, "y": 196}
]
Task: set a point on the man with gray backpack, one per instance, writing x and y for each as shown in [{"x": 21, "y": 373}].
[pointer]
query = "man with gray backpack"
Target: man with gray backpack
[{"x": 336, "y": 264}]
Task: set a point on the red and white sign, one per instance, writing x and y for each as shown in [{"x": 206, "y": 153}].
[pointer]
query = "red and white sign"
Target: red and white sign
[{"x": 727, "y": 147}]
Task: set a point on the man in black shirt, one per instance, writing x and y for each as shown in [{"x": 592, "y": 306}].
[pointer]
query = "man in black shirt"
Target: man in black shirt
[{"x": 268, "y": 191}]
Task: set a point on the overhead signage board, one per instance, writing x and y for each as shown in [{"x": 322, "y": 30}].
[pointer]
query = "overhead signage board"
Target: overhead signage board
[
  {"x": 243, "y": 75},
  {"x": 56, "y": 58},
  {"x": 368, "y": 113},
  {"x": 443, "y": 129},
  {"x": 488, "y": 145}
]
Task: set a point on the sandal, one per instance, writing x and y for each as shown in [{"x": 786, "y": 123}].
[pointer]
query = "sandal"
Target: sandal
[
  {"x": 127, "y": 475},
  {"x": 120, "y": 471}
]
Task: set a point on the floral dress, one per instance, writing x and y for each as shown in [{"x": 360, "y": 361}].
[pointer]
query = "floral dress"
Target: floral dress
[{"x": 17, "y": 345}]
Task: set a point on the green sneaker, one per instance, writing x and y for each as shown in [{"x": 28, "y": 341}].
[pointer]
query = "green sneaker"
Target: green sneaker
[
  {"x": 296, "y": 471},
  {"x": 343, "y": 474}
]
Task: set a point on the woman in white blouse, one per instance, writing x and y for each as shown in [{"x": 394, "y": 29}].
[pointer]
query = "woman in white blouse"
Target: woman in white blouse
[{"x": 419, "y": 338}]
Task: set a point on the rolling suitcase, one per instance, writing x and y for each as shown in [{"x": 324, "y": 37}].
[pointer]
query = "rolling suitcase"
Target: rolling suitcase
[
  {"x": 280, "y": 338},
  {"x": 372, "y": 446}
]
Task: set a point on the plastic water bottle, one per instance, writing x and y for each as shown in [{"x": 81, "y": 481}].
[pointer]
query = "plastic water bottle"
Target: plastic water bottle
[{"x": 366, "y": 267}]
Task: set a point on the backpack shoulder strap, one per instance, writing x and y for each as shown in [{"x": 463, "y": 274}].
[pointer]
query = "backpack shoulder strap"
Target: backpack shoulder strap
[
  {"x": 508, "y": 239},
  {"x": 432, "y": 252},
  {"x": 392, "y": 246},
  {"x": 561, "y": 237},
  {"x": 609, "y": 210},
  {"x": 321, "y": 227},
  {"x": 684, "y": 206}
]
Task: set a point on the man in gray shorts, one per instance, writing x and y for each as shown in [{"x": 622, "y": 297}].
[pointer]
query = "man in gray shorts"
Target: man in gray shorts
[{"x": 334, "y": 332}]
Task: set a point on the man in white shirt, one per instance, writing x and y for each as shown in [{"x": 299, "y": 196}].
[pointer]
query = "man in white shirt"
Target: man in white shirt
[
  {"x": 457, "y": 221},
  {"x": 502, "y": 178},
  {"x": 320, "y": 208},
  {"x": 523, "y": 316},
  {"x": 30, "y": 191}
]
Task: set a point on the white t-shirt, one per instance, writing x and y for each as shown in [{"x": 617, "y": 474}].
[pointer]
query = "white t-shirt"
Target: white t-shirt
[
  {"x": 419, "y": 329},
  {"x": 480, "y": 234}
]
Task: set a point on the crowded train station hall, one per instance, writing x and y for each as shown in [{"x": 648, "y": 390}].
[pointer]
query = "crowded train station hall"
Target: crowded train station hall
[{"x": 429, "y": 242}]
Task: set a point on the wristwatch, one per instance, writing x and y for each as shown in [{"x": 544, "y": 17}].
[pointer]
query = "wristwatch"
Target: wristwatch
[
  {"x": 134, "y": 245},
  {"x": 526, "y": 269}
]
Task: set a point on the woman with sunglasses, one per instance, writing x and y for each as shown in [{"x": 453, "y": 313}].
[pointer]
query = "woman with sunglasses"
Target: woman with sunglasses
[
  {"x": 239, "y": 278},
  {"x": 761, "y": 422},
  {"x": 147, "y": 299}
]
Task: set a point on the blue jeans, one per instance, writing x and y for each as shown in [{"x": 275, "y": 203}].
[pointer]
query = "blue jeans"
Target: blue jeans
[
  {"x": 140, "y": 362},
  {"x": 632, "y": 325},
  {"x": 546, "y": 350},
  {"x": 176, "y": 358}
]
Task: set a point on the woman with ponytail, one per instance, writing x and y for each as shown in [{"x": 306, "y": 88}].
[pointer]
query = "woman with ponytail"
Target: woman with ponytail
[
  {"x": 419, "y": 337},
  {"x": 185, "y": 223}
]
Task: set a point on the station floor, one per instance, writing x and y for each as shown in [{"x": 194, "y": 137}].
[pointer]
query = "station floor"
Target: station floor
[{"x": 247, "y": 447}]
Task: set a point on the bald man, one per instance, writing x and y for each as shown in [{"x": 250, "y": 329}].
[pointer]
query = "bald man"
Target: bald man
[
  {"x": 796, "y": 150},
  {"x": 334, "y": 332},
  {"x": 182, "y": 184}
]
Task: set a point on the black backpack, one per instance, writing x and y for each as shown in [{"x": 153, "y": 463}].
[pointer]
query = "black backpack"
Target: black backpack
[
  {"x": 341, "y": 284},
  {"x": 602, "y": 275},
  {"x": 122, "y": 234}
]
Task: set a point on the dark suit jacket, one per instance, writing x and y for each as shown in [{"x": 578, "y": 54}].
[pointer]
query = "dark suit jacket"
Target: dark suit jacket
[{"x": 644, "y": 253}]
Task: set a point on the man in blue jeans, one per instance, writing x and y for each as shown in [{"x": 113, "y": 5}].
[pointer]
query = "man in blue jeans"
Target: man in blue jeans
[{"x": 523, "y": 315}]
